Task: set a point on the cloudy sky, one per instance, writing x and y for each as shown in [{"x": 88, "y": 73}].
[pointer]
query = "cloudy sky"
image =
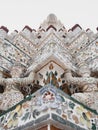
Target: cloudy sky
[{"x": 15, "y": 14}]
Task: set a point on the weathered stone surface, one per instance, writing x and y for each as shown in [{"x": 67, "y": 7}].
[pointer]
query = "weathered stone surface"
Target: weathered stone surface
[{"x": 50, "y": 57}]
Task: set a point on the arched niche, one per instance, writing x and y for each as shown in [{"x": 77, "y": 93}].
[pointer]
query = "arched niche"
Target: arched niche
[{"x": 50, "y": 70}]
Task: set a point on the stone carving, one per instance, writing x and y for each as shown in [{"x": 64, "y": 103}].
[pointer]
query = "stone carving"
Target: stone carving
[
  {"x": 34, "y": 48},
  {"x": 88, "y": 85},
  {"x": 49, "y": 101},
  {"x": 12, "y": 95}
]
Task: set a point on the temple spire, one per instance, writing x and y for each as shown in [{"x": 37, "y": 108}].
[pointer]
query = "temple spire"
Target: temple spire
[
  {"x": 52, "y": 18},
  {"x": 52, "y": 22}
]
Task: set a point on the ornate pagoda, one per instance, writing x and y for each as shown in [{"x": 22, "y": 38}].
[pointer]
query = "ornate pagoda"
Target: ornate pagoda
[{"x": 49, "y": 78}]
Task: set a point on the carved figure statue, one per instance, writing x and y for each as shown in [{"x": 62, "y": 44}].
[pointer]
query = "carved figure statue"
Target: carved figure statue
[
  {"x": 12, "y": 95},
  {"x": 89, "y": 87}
]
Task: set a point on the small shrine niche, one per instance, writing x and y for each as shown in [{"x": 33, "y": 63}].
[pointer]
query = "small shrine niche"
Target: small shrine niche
[{"x": 51, "y": 73}]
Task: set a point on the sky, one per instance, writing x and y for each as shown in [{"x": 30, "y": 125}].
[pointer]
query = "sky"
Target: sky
[{"x": 15, "y": 14}]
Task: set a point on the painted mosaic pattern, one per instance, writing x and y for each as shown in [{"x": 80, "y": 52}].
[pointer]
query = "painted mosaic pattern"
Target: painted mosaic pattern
[{"x": 49, "y": 100}]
